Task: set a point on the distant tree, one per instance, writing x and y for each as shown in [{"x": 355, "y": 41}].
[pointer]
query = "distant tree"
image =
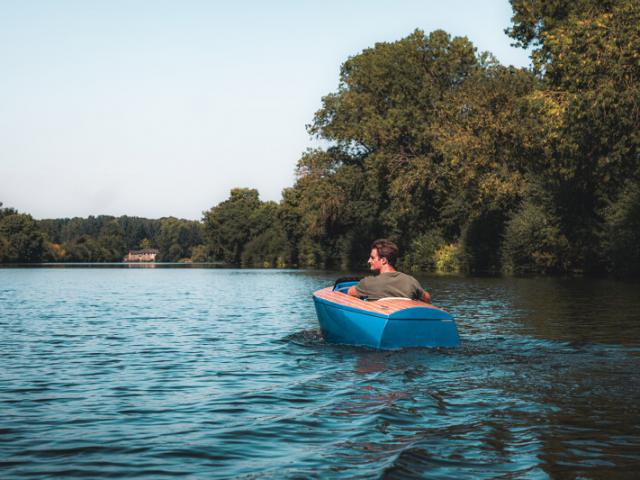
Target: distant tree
[
  {"x": 269, "y": 245},
  {"x": 200, "y": 254},
  {"x": 145, "y": 244},
  {"x": 111, "y": 239},
  {"x": 327, "y": 205},
  {"x": 4, "y": 212},
  {"x": 54, "y": 252},
  {"x": 20, "y": 239},
  {"x": 85, "y": 249},
  {"x": 176, "y": 238},
  {"x": 52, "y": 228},
  {"x": 230, "y": 224},
  {"x": 137, "y": 229}
]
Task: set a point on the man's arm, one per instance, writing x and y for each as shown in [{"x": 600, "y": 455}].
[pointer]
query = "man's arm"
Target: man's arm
[{"x": 352, "y": 291}]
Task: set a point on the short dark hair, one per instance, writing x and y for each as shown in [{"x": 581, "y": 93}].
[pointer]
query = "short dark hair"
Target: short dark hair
[{"x": 386, "y": 249}]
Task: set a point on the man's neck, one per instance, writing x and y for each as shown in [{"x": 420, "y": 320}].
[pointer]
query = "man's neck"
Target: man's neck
[{"x": 387, "y": 269}]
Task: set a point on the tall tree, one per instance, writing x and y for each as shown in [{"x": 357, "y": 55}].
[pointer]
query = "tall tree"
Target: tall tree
[
  {"x": 177, "y": 237},
  {"x": 382, "y": 119},
  {"x": 111, "y": 239},
  {"x": 229, "y": 224},
  {"x": 21, "y": 241},
  {"x": 588, "y": 107}
]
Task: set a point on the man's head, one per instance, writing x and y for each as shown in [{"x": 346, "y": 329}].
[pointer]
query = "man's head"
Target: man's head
[{"x": 383, "y": 252}]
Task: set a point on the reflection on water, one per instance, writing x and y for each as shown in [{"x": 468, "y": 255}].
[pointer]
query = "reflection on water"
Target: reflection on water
[
  {"x": 213, "y": 373},
  {"x": 116, "y": 265}
]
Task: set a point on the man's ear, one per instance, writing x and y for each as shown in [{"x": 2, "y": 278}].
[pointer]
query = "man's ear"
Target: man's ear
[{"x": 384, "y": 260}]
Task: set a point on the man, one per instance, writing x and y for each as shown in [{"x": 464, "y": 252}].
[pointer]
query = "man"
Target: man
[{"x": 389, "y": 282}]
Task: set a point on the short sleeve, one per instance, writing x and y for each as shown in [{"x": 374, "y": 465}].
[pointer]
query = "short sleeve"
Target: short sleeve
[{"x": 363, "y": 288}]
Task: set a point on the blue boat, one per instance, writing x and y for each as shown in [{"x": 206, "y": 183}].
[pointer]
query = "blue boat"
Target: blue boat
[{"x": 388, "y": 323}]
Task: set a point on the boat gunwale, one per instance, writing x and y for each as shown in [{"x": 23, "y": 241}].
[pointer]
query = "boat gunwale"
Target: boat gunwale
[
  {"x": 351, "y": 309},
  {"x": 395, "y": 313}
]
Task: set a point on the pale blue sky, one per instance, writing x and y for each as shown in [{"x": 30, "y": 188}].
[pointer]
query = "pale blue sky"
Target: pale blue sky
[{"x": 156, "y": 108}]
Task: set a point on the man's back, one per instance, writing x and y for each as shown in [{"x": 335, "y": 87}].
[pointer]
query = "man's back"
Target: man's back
[{"x": 390, "y": 284}]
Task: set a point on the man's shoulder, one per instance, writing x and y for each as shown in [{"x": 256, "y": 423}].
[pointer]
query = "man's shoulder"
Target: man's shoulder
[
  {"x": 403, "y": 276},
  {"x": 374, "y": 281},
  {"x": 407, "y": 279},
  {"x": 380, "y": 276},
  {"x": 369, "y": 279},
  {"x": 385, "y": 275}
]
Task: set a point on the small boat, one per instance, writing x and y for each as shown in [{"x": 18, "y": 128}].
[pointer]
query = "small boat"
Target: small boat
[{"x": 388, "y": 323}]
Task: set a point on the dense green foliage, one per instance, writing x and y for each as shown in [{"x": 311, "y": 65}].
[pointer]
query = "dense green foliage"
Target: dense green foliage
[
  {"x": 244, "y": 230},
  {"x": 430, "y": 147},
  {"x": 588, "y": 105},
  {"x": 20, "y": 239},
  {"x": 477, "y": 167},
  {"x": 97, "y": 239},
  {"x": 467, "y": 164}
]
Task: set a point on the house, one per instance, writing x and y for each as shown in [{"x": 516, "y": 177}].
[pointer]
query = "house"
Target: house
[{"x": 146, "y": 255}]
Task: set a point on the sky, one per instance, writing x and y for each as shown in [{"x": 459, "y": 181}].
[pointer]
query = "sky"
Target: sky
[{"x": 157, "y": 108}]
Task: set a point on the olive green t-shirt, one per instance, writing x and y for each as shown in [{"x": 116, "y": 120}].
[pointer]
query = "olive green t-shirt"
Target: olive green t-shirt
[{"x": 390, "y": 284}]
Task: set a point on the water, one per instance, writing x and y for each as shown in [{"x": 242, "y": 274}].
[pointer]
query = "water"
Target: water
[{"x": 212, "y": 373}]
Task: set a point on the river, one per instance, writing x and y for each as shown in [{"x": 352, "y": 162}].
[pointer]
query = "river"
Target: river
[{"x": 219, "y": 373}]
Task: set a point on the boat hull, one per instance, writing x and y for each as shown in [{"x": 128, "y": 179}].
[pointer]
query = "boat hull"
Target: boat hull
[{"x": 383, "y": 324}]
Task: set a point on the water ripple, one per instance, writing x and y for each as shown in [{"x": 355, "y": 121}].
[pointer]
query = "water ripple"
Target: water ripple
[{"x": 166, "y": 373}]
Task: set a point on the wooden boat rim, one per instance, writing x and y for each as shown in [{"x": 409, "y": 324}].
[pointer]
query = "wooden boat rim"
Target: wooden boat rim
[
  {"x": 386, "y": 309},
  {"x": 384, "y": 315}
]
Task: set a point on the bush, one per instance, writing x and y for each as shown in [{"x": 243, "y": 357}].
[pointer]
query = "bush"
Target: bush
[
  {"x": 447, "y": 258},
  {"x": 310, "y": 254},
  {"x": 267, "y": 250},
  {"x": 622, "y": 240},
  {"x": 53, "y": 252},
  {"x": 85, "y": 249},
  {"x": 421, "y": 256},
  {"x": 199, "y": 254},
  {"x": 533, "y": 242},
  {"x": 480, "y": 242},
  {"x": 21, "y": 241}
]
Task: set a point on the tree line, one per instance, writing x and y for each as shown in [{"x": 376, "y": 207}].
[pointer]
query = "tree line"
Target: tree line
[
  {"x": 467, "y": 164},
  {"x": 97, "y": 239}
]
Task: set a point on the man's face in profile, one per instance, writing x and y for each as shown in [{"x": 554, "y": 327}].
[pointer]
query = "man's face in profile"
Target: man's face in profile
[{"x": 375, "y": 262}]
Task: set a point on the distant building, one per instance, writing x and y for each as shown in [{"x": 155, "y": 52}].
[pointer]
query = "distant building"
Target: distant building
[{"x": 146, "y": 255}]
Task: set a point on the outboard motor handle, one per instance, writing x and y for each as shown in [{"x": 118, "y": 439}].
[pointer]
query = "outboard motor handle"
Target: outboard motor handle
[{"x": 349, "y": 280}]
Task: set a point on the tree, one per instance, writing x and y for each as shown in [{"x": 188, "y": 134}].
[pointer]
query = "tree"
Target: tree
[
  {"x": 622, "y": 232},
  {"x": 229, "y": 224},
  {"x": 533, "y": 242},
  {"x": 20, "y": 239},
  {"x": 588, "y": 107},
  {"x": 111, "y": 239},
  {"x": 429, "y": 140},
  {"x": 199, "y": 254},
  {"x": 5, "y": 212},
  {"x": 85, "y": 249},
  {"x": 177, "y": 237}
]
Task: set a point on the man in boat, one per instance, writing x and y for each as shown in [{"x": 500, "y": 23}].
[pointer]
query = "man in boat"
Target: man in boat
[{"x": 388, "y": 282}]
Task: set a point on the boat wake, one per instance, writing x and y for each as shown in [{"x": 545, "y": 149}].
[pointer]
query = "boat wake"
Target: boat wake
[{"x": 306, "y": 338}]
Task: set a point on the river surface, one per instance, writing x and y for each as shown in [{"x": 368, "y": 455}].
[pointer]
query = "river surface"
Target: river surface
[{"x": 216, "y": 373}]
